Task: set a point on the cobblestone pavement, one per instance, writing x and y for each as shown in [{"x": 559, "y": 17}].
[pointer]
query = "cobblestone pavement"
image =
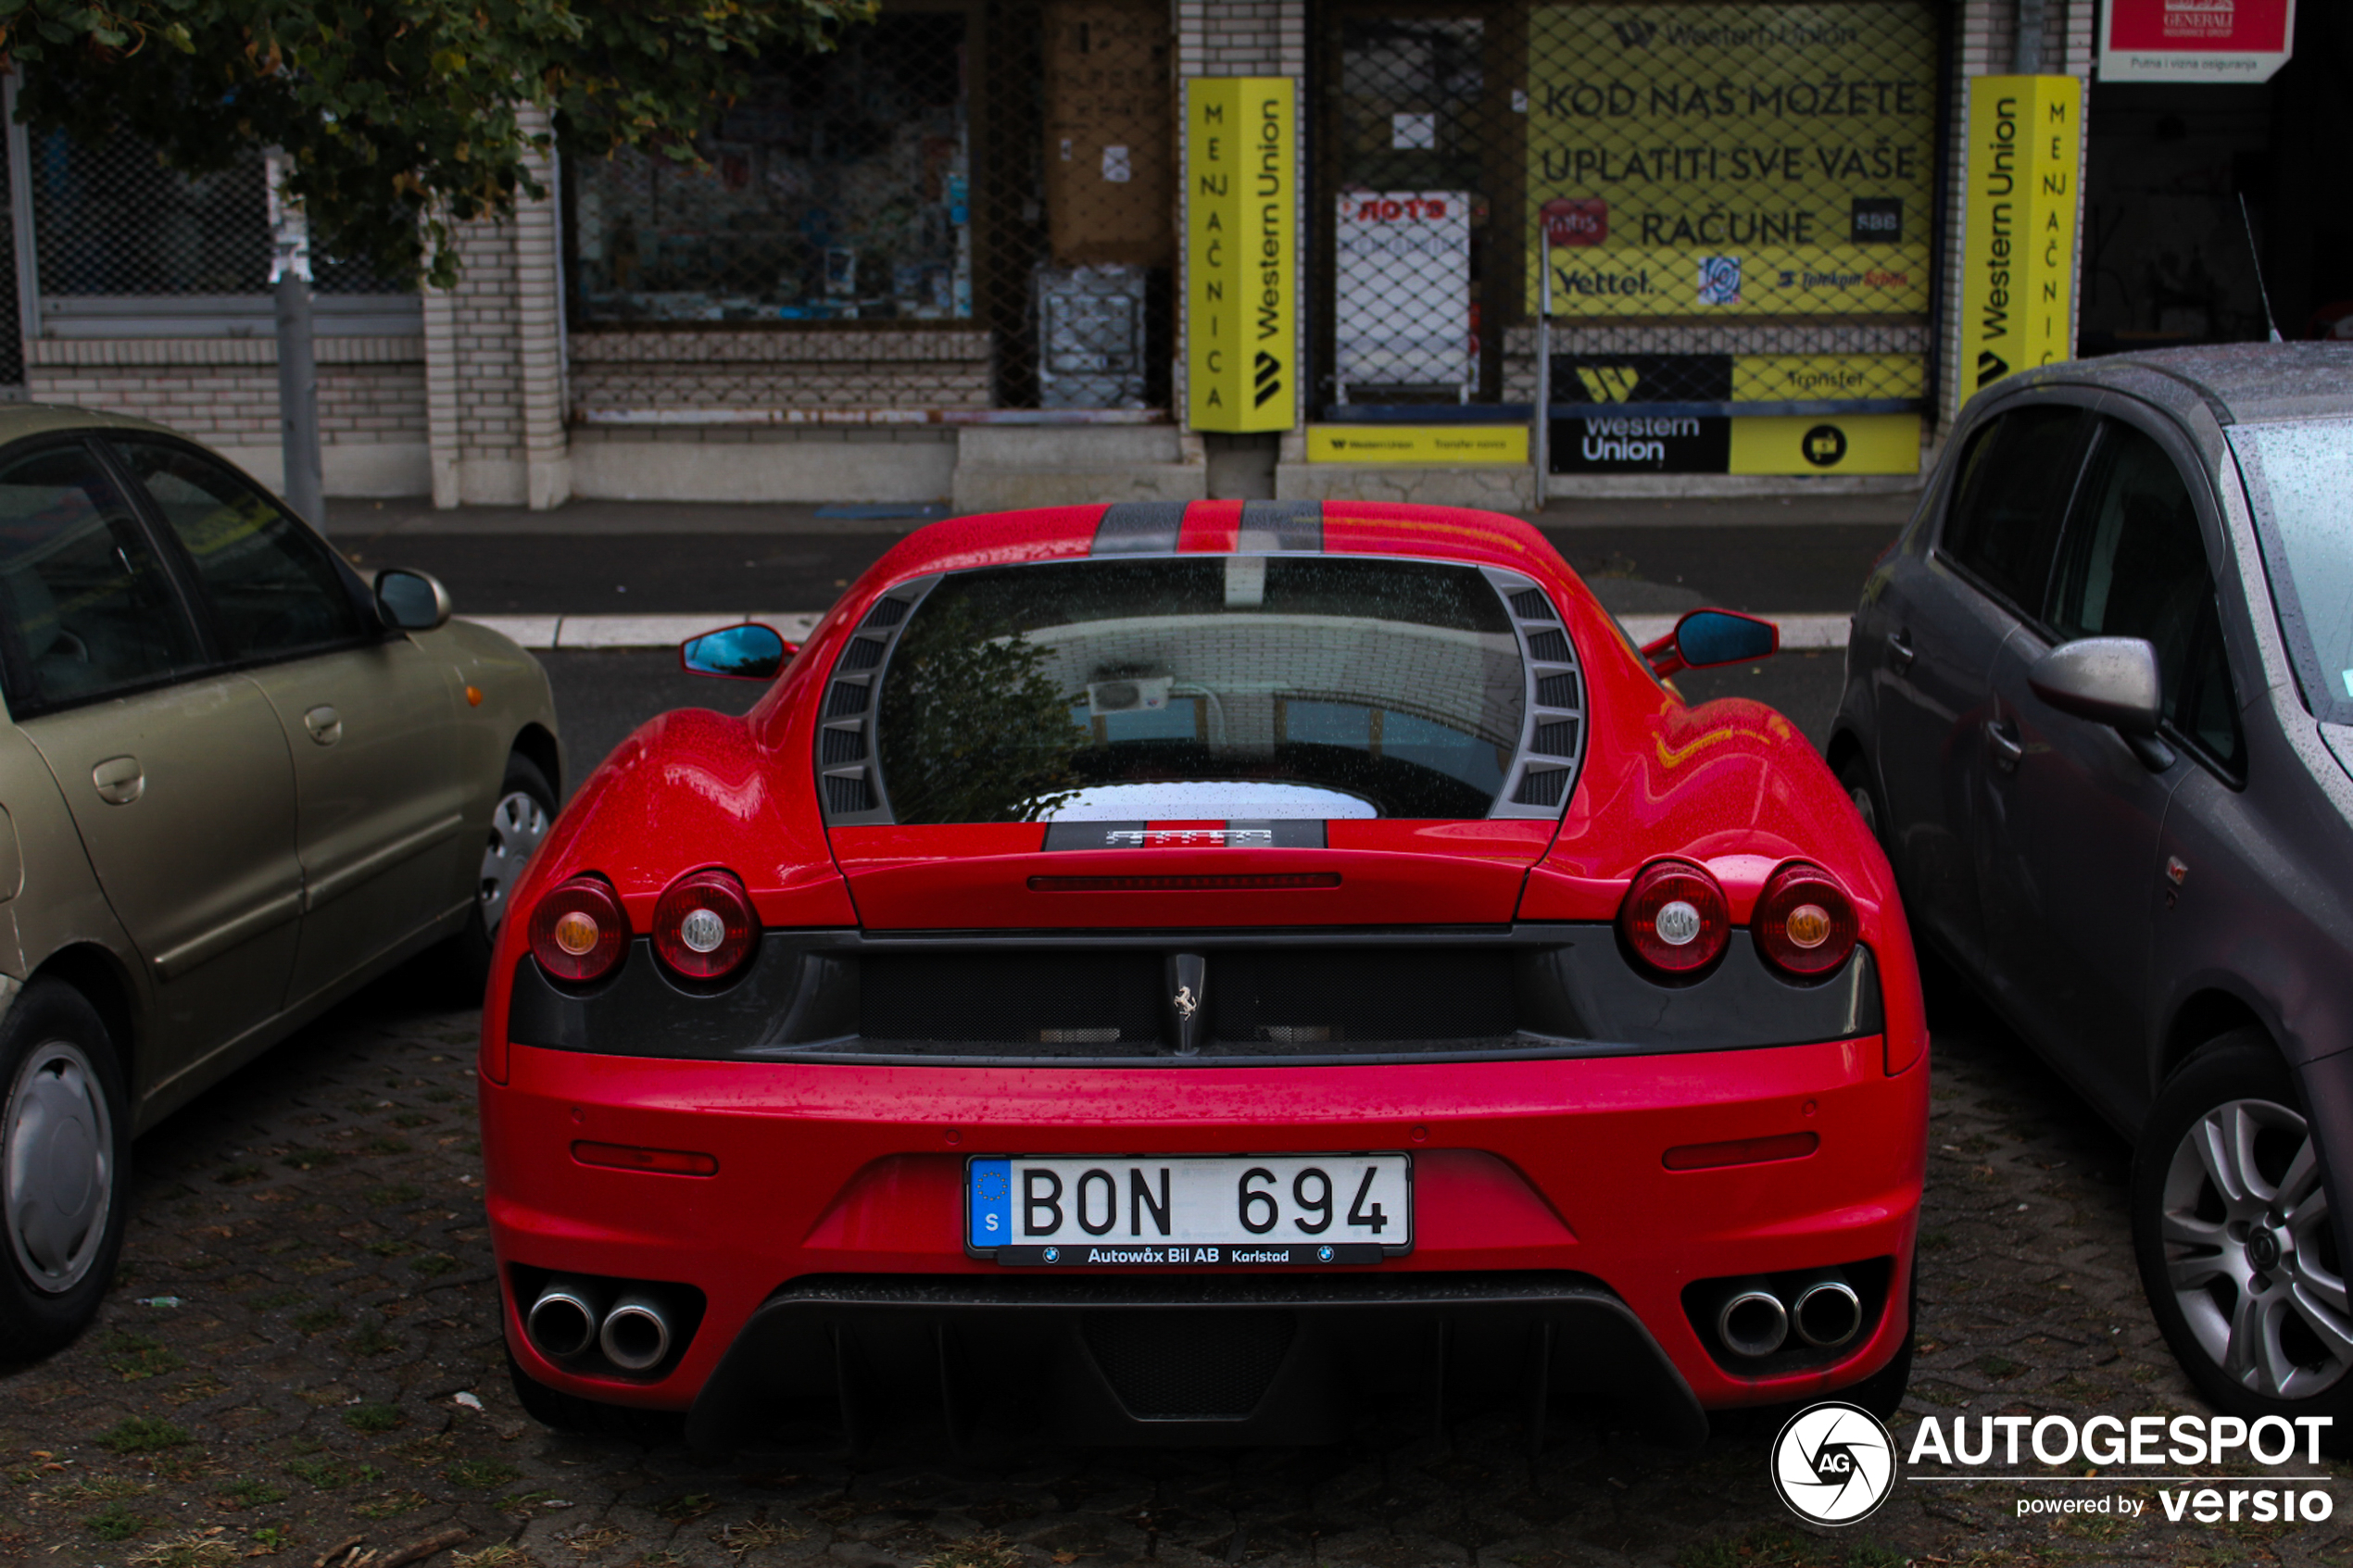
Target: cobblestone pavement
[{"x": 302, "y": 1354}]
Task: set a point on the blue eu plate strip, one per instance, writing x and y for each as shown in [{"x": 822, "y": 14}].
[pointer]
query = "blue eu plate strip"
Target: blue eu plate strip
[{"x": 988, "y": 1202}]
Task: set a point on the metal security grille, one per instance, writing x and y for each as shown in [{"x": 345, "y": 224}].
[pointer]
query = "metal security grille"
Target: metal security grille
[
  {"x": 1417, "y": 202},
  {"x": 1002, "y": 167},
  {"x": 111, "y": 220},
  {"x": 1724, "y": 210}
]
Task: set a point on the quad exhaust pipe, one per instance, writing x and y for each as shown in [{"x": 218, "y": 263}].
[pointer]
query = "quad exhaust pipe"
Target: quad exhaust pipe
[
  {"x": 1754, "y": 1321},
  {"x": 570, "y": 1317}
]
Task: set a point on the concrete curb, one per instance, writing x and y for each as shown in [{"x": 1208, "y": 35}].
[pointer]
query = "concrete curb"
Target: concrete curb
[{"x": 546, "y": 631}]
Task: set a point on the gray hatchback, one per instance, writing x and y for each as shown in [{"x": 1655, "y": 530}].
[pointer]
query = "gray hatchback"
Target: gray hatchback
[{"x": 2099, "y": 710}]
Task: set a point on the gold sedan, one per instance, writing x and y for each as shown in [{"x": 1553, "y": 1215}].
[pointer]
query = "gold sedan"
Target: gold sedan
[{"x": 236, "y": 782}]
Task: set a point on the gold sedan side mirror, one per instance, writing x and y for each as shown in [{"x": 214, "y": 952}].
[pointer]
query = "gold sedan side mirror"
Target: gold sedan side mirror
[{"x": 412, "y": 601}]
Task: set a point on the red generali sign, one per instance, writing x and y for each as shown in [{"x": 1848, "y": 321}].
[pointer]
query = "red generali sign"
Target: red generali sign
[{"x": 2195, "y": 40}]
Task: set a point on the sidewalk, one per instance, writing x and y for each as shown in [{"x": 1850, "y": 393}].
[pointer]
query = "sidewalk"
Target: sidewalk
[{"x": 635, "y": 574}]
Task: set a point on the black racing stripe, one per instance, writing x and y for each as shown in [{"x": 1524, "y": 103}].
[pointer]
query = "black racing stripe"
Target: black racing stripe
[
  {"x": 1137, "y": 527},
  {"x": 1281, "y": 525},
  {"x": 1094, "y": 835},
  {"x": 1287, "y": 834}
]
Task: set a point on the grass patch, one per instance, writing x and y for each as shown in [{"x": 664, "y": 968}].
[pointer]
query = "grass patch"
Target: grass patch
[
  {"x": 278, "y": 1299},
  {"x": 481, "y": 1474},
  {"x": 386, "y": 1145},
  {"x": 501, "y": 1554},
  {"x": 134, "y": 1356},
  {"x": 253, "y": 1493},
  {"x": 142, "y": 1435},
  {"x": 396, "y": 1248},
  {"x": 197, "y": 1550},
  {"x": 390, "y": 1505},
  {"x": 433, "y": 1263},
  {"x": 441, "y": 1097},
  {"x": 235, "y": 1175},
  {"x": 98, "y": 1488},
  {"x": 270, "y": 1537},
  {"x": 114, "y": 1522},
  {"x": 976, "y": 1551},
  {"x": 692, "y": 1505},
  {"x": 309, "y": 1158},
  {"x": 411, "y": 1119},
  {"x": 399, "y": 1192},
  {"x": 372, "y": 1340},
  {"x": 372, "y": 1418},
  {"x": 1998, "y": 1367},
  {"x": 328, "y": 1473},
  {"x": 319, "y": 1319}
]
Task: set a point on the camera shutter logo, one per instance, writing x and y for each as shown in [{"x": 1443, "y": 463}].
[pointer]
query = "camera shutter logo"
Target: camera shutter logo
[
  {"x": 1833, "y": 1464},
  {"x": 1719, "y": 280}
]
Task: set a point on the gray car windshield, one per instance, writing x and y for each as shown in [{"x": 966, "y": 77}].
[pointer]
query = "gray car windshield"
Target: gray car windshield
[
  {"x": 1203, "y": 688},
  {"x": 2302, "y": 479}
]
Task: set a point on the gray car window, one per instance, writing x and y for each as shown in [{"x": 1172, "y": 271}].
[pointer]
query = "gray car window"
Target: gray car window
[
  {"x": 2301, "y": 477},
  {"x": 88, "y": 608},
  {"x": 2134, "y": 566},
  {"x": 272, "y": 589},
  {"x": 2014, "y": 484}
]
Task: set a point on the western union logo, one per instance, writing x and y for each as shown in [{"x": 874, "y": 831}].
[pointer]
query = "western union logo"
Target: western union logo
[
  {"x": 1608, "y": 383},
  {"x": 1444, "y": 445}
]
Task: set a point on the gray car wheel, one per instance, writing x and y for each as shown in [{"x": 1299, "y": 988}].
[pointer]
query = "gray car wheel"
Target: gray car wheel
[
  {"x": 517, "y": 825},
  {"x": 64, "y": 1157},
  {"x": 2237, "y": 1242}
]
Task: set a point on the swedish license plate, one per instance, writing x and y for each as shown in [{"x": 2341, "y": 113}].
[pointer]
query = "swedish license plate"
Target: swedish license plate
[{"x": 1189, "y": 1210}]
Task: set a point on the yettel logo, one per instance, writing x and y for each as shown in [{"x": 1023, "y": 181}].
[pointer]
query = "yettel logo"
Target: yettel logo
[{"x": 1833, "y": 1464}]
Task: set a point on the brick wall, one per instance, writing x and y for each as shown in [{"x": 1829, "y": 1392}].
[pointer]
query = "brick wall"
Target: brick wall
[{"x": 779, "y": 370}]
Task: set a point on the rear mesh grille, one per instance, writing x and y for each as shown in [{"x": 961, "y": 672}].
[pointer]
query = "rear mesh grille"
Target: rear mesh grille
[
  {"x": 841, "y": 746},
  {"x": 1550, "y": 647},
  {"x": 1532, "y": 605},
  {"x": 863, "y": 653},
  {"x": 1556, "y": 691},
  {"x": 1556, "y": 739},
  {"x": 847, "y": 698},
  {"x": 887, "y": 612},
  {"x": 1179, "y": 1365},
  {"x": 1096, "y": 1004},
  {"x": 1542, "y": 788}
]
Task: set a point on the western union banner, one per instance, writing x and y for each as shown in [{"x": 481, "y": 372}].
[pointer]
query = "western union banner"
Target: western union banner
[
  {"x": 1442, "y": 445},
  {"x": 1242, "y": 233},
  {"x": 2018, "y": 244},
  {"x": 1732, "y": 159}
]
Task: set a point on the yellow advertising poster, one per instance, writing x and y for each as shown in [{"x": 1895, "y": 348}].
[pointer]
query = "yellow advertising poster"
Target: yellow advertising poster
[
  {"x": 1800, "y": 378},
  {"x": 1242, "y": 262},
  {"x": 1732, "y": 159},
  {"x": 1826, "y": 443},
  {"x": 1446, "y": 445},
  {"x": 2017, "y": 241}
]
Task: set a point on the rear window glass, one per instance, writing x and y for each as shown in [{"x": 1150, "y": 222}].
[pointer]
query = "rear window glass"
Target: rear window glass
[{"x": 1212, "y": 688}]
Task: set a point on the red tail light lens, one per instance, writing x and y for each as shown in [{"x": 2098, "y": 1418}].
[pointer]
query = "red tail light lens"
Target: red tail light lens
[
  {"x": 1675, "y": 918},
  {"x": 1805, "y": 923},
  {"x": 704, "y": 926},
  {"x": 578, "y": 931}
]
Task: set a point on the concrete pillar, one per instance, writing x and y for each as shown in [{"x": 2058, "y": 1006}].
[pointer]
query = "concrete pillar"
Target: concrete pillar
[
  {"x": 539, "y": 332},
  {"x": 441, "y": 394}
]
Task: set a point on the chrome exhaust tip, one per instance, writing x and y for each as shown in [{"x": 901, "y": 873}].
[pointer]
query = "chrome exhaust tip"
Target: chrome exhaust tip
[
  {"x": 562, "y": 1321},
  {"x": 636, "y": 1334},
  {"x": 1828, "y": 1313},
  {"x": 1753, "y": 1323}
]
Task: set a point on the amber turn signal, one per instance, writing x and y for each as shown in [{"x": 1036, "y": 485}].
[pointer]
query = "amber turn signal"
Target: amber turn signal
[
  {"x": 1805, "y": 924},
  {"x": 579, "y": 932}
]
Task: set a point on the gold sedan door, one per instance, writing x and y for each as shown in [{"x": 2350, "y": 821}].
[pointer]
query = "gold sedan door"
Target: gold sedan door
[
  {"x": 178, "y": 778},
  {"x": 370, "y": 719}
]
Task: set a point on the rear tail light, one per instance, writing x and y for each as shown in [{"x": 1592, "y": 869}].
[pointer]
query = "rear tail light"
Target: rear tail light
[
  {"x": 578, "y": 931},
  {"x": 704, "y": 926},
  {"x": 1805, "y": 923},
  {"x": 1675, "y": 918}
]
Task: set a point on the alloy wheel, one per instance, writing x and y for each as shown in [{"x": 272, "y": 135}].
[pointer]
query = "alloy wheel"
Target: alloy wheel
[
  {"x": 59, "y": 1166},
  {"x": 2250, "y": 1253},
  {"x": 516, "y": 827}
]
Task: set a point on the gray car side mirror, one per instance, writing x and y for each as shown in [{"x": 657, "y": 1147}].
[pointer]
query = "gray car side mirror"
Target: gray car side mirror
[
  {"x": 412, "y": 601},
  {"x": 2107, "y": 680}
]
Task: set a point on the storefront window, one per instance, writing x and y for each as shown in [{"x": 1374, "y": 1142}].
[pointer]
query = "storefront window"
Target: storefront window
[{"x": 836, "y": 189}]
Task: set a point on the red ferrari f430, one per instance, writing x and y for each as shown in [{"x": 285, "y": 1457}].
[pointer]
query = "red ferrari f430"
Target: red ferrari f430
[{"x": 1207, "y": 973}]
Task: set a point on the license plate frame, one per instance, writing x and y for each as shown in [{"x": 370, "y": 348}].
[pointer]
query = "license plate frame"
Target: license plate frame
[{"x": 1366, "y": 1191}]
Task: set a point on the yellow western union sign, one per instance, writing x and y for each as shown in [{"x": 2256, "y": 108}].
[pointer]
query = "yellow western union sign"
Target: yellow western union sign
[
  {"x": 1802, "y": 378},
  {"x": 1417, "y": 444},
  {"x": 1241, "y": 260},
  {"x": 2017, "y": 271},
  {"x": 1826, "y": 443}
]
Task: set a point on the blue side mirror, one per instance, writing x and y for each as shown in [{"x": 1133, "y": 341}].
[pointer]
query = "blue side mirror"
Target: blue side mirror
[
  {"x": 1706, "y": 638},
  {"x": 750, "y": 652}
]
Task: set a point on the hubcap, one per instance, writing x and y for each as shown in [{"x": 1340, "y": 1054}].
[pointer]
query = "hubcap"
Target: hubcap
[
  {"x": 2250, "y": 1253},
  {"x": 516, "y": 828},
  {"x": 60, "y": 1166}
]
